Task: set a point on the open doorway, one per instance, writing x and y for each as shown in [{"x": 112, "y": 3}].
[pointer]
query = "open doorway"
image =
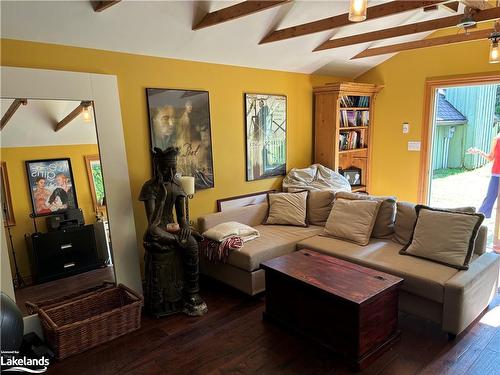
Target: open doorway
[{"x": 464, "y": 122}]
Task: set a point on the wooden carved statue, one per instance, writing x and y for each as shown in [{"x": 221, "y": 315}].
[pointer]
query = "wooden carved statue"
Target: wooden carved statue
[{"x": 171, "y": 256}]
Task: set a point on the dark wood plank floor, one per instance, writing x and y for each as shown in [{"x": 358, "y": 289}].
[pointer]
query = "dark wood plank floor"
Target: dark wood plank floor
[{"x": 233, "y": 339}]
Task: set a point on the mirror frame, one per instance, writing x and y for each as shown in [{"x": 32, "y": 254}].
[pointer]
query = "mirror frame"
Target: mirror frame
[{"x": 102, "y": 90}]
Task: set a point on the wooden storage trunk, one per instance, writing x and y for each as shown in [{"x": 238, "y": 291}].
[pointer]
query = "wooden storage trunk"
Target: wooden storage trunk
[{"x": 81, "y": 323}]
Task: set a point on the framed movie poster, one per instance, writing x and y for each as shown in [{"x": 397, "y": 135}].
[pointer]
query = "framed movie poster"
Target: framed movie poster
[
  {"x": 181, "y": 118},
  {"x": 265, "y": 136},
  {"x": 94, "y": 173},
  {"x": 51, "y": 186}
]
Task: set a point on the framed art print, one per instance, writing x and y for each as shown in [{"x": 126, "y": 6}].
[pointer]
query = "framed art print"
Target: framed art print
[
  {"x": 353, "y": 175},
  {"x": 239, "y": 201},
  {"x": 265, "y": 136},
  {"x": 181, "y": 118},
  {"x": 94, "y": 173},
  {"x": 51, "y": 186}
]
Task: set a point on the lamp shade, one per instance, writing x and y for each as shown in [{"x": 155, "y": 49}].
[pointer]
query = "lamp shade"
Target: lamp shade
[
  {"x": 357, "y": 10},
  {"x": 187, "y": 183},
  {"x": 494, "y": 53}
]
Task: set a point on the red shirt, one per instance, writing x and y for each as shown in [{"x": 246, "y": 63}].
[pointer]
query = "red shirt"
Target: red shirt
[{"x": 495, "y": 170}]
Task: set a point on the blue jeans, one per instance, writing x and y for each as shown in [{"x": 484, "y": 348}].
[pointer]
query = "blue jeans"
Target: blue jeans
[{"x": 491, "y": 197}]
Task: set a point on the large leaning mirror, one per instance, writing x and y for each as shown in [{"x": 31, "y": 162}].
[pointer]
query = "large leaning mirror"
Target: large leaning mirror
[
  {"x": 53, "y": 200},
  {"x": 112, "y": 207}
]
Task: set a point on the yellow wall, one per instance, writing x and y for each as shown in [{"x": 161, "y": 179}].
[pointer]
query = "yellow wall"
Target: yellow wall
[
  {"x": 21, "y": 201},
  {"x": 395, "y": 170},
  {"x": 226, "y": 86}
]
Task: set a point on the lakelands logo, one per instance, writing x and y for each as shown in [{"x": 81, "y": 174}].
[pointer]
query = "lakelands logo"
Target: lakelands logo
[{"x": 12, "y": 363}]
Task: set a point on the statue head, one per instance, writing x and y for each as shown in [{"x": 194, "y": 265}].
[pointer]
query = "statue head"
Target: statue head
[{"x": 165, "y": 163}]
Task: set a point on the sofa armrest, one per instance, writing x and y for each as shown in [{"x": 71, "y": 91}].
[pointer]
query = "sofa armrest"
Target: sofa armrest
[
  {"x": 469, "y": 292},
  {"x": 252, "y": 215}
]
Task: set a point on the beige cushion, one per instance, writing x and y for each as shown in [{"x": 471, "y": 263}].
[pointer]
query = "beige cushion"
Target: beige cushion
[
  {"x": 384, "y": 224},
  {"x": 443, "y": 236},
  {"x": 421, "y": 277},
  {"x": 405, "y": 221},
  {"x": 274, "y": 241},
  {"x": 287, "y": 209},
  {"x": 352, "y": 220},
  {"x": 252, "y": 215},
  {"x": 319, "y": 205},
  {"x": 406, "y": 218}
]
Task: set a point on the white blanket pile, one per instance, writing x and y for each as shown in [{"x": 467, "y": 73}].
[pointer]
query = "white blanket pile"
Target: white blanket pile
[
  {"x": 315, "y": 177},
  {"x": 231, "y": 229}
]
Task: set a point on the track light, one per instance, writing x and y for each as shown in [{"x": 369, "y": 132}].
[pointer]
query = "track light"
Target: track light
[{"x": 494, "y": 56}]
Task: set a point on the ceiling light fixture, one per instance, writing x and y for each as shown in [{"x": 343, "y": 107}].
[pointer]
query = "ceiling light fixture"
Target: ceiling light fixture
[
  {"x": 467, "y": 20},
  {"x": 357, "y": 10},
  {"x": 87, "y": 116},
  {"x": 494, "y": 50}
]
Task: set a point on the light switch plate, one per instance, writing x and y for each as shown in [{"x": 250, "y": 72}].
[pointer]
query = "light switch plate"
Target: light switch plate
[
  {"x": 406, "y": 128},
  {"x": 413, "y": 145}
]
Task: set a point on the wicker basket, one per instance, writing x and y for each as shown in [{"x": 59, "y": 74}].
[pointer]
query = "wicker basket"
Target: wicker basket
[
  {"x": 95, "y": 318},
  {"x": 33, "y": 307}
]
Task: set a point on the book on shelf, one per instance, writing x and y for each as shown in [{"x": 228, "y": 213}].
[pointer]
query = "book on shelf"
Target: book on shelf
[
  {"x": 351, "y": 140},
  {"x": 350, "y": 118},
  {"x": 347, "y": 101}
]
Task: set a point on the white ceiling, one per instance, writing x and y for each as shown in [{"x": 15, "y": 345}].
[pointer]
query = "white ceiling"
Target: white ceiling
[
  {"x": 163, "y": 28},
  {"x": 33, "y": 125}
]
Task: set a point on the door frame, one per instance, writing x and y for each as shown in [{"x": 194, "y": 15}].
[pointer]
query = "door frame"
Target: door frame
[{"x": 431, "y": 85}]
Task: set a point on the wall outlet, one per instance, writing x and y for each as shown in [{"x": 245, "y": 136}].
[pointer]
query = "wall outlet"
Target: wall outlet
[
  {"x": 406, "y": 128},
  {"x": 414, "y": 146}
]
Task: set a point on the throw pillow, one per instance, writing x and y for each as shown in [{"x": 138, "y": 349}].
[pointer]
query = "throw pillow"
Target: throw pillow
[
  {"x": 352, "y": 220},
  {"x": 406, "y": 217},
  {"x": 445, "y": 237},
  {"x": 287, "y": 209},
  {"x": 384, "y": 223},
  {"x": 319, "y": 205}
]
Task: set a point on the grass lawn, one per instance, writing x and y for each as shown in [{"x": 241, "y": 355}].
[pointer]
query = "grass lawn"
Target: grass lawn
[{"x": 441, "y": 173}]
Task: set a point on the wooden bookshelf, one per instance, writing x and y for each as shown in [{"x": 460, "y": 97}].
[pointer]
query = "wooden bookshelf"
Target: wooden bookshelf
[{"x": 343, "y": 125}]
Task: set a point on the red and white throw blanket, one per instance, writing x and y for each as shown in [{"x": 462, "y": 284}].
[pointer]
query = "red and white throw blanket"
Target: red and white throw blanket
[{"x": 216, "y": 251}]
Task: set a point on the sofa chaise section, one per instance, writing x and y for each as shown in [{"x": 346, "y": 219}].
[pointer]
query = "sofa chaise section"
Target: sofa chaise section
[{"x": 242, "y": 269}]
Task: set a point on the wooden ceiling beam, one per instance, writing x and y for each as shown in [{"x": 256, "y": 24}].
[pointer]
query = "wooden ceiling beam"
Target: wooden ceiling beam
[
  {"x": 99, "y": 6},
  {"x": 453, "y": 6},
  {"x": 10, "y": 112},
  {"x": 431, "y": 8},
  {"x": 236, "y": 11},
  {"x": 440, "y": 23},
  {"x": 424, "y": 43},
  {"x": 377, "y": 11},
  {"x": 74, "y": 114}
]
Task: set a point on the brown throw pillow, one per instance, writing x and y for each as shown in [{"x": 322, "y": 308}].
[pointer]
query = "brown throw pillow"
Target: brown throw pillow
[
  {"x": 406, "y": 217},
  {"x": 319, "y": 205},
  {"x": 445, "y": 237},
  {"x": 352, "y": 220},
  {"x": 287, "y": 209},
  {"x": 384, "y": 224}
]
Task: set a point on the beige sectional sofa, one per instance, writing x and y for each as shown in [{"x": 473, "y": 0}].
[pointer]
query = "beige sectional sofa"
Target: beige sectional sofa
[{"x": 448, "y": 296}]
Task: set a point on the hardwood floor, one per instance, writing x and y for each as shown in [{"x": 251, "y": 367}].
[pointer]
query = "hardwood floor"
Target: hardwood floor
[{"x": 233, "y": 339}]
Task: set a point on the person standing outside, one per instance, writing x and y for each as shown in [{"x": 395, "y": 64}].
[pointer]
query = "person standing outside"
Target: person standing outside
[{"x": 492, "y": 193}]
